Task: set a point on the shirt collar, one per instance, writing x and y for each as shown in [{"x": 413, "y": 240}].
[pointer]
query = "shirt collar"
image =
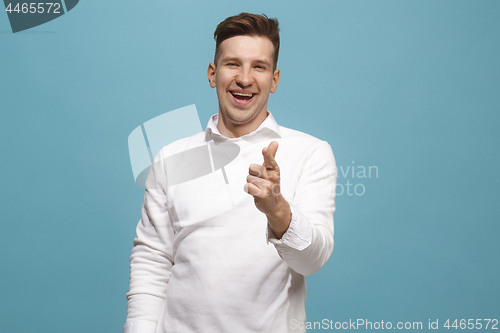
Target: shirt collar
[{"x": 268, "y": 125}]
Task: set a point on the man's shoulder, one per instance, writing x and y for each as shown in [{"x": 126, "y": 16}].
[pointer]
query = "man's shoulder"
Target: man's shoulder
[{"x": 304, "y": 146}]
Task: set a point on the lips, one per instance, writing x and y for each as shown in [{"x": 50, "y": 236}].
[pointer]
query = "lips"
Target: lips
[{"x": 242, "y": 97}]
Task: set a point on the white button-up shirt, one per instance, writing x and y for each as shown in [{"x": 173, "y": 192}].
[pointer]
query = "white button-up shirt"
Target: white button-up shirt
[{"x": 205, "y": 259}]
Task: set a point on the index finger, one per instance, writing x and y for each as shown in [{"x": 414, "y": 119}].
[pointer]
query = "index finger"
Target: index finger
[{"x": 269, "y": 154}]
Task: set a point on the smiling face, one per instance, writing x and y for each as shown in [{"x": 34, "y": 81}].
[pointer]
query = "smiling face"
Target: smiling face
[{"x": 244, "y": 78}]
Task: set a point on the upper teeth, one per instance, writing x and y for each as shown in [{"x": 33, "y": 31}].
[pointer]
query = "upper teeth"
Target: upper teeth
[{"x": 242, "y": 94}]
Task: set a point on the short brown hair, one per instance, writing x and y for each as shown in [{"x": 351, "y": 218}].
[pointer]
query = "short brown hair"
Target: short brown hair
[{"x": 251, "y": 25}]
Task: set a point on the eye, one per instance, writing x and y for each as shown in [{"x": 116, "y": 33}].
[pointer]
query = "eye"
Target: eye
[{"x": 232, "y": 64}]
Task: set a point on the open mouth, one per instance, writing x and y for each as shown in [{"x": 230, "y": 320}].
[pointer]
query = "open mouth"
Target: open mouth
[{"x": 242, "y": 98}]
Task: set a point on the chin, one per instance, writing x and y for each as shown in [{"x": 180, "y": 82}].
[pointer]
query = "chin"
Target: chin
[
  {"x": 242, "y": 116},
  {"x": 239, "y": 119}
]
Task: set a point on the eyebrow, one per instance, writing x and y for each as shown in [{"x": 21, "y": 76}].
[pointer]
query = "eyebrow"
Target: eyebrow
[{"x": 230, "y": 59}]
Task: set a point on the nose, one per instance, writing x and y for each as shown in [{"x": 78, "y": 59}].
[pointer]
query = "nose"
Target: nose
[{"x": 244, "y": 77}]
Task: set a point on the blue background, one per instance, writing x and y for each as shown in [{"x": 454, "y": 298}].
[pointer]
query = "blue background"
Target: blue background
[{"x": 412, "y": 87}]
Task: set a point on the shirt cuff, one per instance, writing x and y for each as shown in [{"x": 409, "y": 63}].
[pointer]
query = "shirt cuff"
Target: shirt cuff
[
  {"x": 139, "y": 326},
  {"x": 298, "y": 235}
]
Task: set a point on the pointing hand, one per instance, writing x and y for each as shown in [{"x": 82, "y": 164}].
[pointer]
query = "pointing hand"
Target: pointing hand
[{"x": 263, "y": 183}]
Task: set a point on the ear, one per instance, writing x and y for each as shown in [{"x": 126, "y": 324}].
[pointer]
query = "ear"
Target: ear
[
  {"x": 211, "y": 74},
  {"x": 276, "y": 80}
]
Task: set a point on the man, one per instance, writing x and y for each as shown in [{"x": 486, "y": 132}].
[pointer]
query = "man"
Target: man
[{"x": 209, "y": 257}]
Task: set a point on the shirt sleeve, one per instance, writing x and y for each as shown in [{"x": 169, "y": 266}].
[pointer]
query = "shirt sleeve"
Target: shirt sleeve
[
  {"x": 139, "y": 326},
  {"x": 151, "y": 261},
  {"x": 308, "y": 242}
]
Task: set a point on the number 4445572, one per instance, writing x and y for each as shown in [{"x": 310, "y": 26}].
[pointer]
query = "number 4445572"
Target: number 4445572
[{"x": 33, "y": 8}]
